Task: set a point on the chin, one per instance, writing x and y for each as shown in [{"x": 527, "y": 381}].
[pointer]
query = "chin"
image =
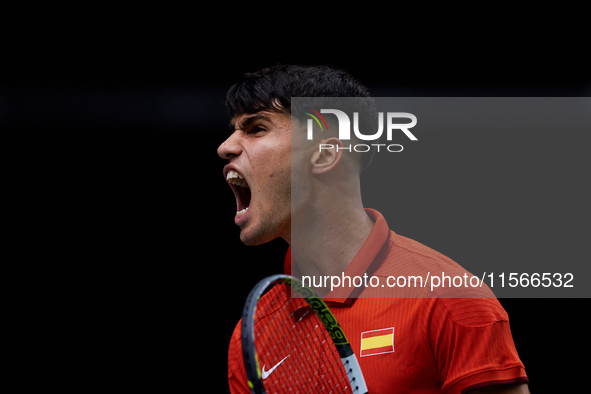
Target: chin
[
  {"x": 257, "y": 236},
  {"x": 250, "y": 240}
]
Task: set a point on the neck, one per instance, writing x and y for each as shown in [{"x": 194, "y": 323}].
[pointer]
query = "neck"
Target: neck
[{"x": 326, "y": 236}]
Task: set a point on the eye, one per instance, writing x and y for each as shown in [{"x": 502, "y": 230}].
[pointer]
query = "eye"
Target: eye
[{"x": 257, "y": 129}]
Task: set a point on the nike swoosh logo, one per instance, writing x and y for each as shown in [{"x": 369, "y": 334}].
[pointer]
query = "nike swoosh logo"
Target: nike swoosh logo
[{"x": 265, "y": 374}]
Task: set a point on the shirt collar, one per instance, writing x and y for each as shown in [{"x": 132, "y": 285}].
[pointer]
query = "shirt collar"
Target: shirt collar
[{"x": 366, "y": 261}]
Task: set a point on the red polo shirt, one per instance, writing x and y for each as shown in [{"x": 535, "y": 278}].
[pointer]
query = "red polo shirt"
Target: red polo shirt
[{"x": 418, "y": 345}]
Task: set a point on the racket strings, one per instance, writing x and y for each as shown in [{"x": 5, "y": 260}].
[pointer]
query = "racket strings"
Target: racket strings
[{"x": 295, "y": 351}]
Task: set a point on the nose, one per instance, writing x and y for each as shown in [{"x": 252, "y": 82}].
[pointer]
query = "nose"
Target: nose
[{"x": 230, "y": 148}]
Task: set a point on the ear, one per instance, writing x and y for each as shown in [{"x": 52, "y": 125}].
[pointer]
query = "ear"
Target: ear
[{"x": 327, "y": 156}]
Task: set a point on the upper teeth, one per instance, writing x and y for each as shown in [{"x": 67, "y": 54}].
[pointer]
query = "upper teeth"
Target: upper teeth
[{"x": 234, "y": 178}]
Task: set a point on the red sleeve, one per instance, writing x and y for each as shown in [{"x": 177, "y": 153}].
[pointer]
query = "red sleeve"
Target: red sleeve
[
  {"x": 236, "y": 372},
  {"x": 473, "y": 346}
]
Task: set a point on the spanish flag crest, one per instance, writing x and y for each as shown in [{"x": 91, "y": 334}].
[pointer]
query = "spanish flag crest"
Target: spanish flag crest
[{"x": 377, "y": 342}]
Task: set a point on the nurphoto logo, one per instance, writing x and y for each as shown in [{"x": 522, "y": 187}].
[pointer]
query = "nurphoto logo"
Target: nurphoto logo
[{"x": 344, "y": 123}]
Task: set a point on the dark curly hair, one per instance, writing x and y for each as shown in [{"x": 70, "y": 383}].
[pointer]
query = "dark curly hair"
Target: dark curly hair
[{"x": 272, "y": 88}]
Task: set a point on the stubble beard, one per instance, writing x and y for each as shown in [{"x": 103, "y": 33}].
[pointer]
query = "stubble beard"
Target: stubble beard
[{"x": 273, "y": 220}]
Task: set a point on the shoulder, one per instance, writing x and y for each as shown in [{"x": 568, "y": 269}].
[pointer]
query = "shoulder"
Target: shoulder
[
  {"x": 473, "y": 312},
  {"x": 455, "y": 292},
  {"x": 237, "y": 379},
  {"x": 235, "y": 360},
  {"x": 407, "y": 251},
  {"x": 406, "y": 256}
]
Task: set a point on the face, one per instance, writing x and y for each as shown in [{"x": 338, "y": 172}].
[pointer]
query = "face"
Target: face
[{"x": 259, "y": 174}]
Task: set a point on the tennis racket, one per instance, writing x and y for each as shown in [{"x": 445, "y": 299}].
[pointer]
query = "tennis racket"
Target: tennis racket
[{"x": 291, "y": 342}]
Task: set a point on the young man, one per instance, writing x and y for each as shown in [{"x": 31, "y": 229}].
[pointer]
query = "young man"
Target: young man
[{"x": 439, "y": 344}]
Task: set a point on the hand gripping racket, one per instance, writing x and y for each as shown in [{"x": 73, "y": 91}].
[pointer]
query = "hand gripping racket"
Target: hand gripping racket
[{"x": 291, "y": 342}]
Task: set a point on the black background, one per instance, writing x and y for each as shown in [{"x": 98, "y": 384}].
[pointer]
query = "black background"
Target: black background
[{"x": 114, "y": 118}]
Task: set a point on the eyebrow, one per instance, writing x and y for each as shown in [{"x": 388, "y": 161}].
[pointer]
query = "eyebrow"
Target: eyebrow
[{"x": 250, "y": 120}]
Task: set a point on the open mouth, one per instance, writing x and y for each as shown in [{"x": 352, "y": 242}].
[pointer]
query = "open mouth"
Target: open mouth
[{"x": 241, "y": 191}]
